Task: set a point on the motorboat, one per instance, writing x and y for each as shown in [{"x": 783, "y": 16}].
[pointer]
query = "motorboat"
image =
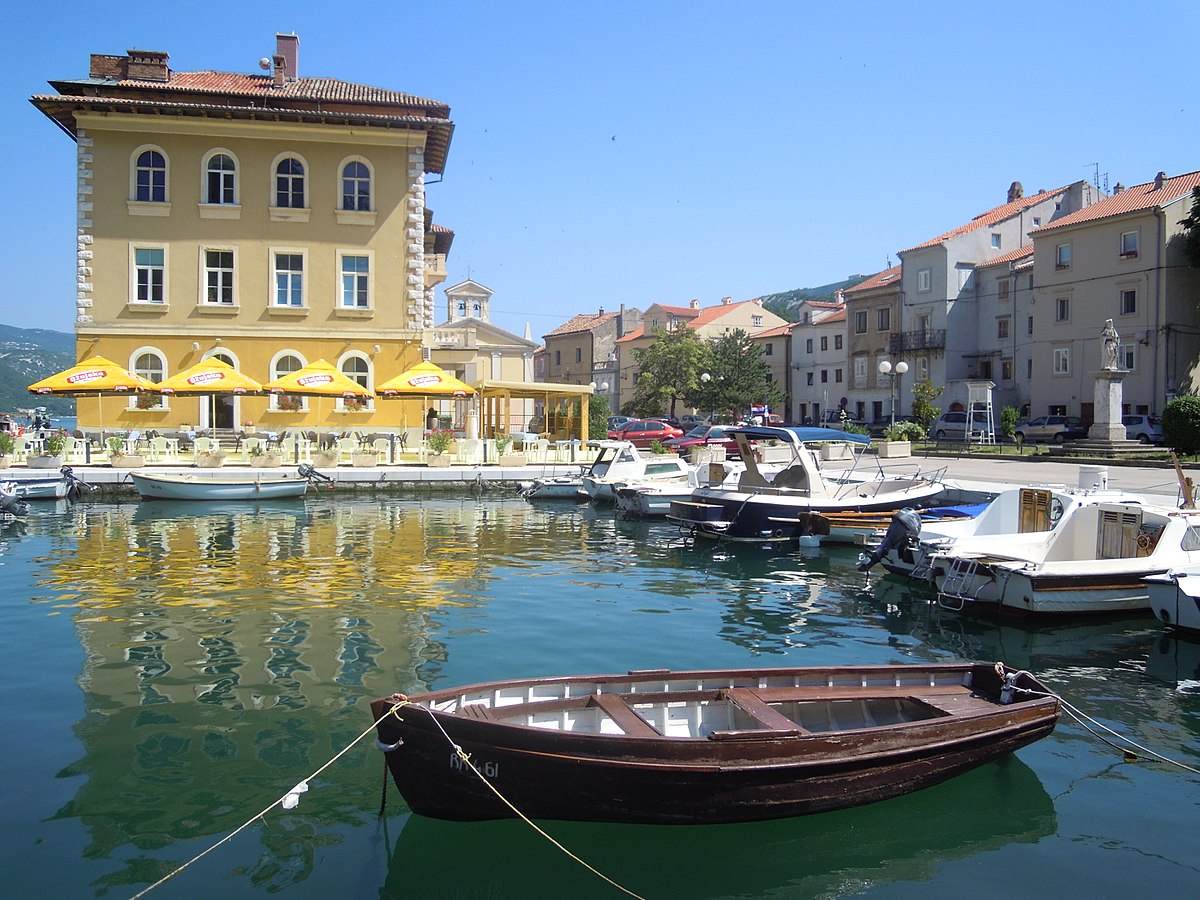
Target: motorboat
[
  {"x": 702, "y": 747},
  {"x": 64, "y": 485},
  {"x": 621, "y": 458},
  {"x": 1174, "y": 597},
  {"x": 863, "y": 528},
  {"x": 242, "y": 486},
  {"x": 911, "y": 537},
  {"x": 11, "y": 505},
  {"x": 1095, "y": 560},
  {"x": 653, "y": 498},
  {"x": 785, "y": 504},
  {"x": 615, "y": 465}
]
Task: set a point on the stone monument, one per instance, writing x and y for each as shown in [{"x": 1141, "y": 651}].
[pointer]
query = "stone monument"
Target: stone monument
[{"x": 1109, "y": 389}]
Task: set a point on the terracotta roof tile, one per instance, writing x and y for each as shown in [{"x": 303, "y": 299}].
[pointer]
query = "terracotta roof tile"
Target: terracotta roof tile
[
  {"x": 880, "y": 279},
  {"x": 777, "y": 331},
  {"x": 632, "y": 336},
  {"x": 582, "y": 322},
  {"x": 991, "y": 217},
  {"x": 1013, "y": 256},
  {"x": 1138, "y": 198}
]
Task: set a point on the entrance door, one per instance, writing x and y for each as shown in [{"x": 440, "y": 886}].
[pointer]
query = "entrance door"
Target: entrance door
[{"x": 1087, "y": 414}]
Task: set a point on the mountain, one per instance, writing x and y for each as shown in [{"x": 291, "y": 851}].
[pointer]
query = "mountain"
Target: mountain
[
  {"x": 784, "y": 304},
  {"x": 30, "y": 354}
]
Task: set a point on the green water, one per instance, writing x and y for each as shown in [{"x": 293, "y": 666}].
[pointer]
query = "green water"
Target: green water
[{"x": 168, "y": 672}]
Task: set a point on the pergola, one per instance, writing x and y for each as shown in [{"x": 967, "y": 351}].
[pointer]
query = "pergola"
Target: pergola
[{"x": 562, "y": 421}]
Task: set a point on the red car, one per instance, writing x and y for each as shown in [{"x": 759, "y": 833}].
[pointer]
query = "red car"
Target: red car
[
  {"x": 705, "y": 436},
  {"x": 644, "y": 432}
]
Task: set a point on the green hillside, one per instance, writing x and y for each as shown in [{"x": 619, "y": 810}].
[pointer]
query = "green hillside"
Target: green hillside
[
  {"x": 784, "y": 304},
  {"x": 27, "y": 355}
]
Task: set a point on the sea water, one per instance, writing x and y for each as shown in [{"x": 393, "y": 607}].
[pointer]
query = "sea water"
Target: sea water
[{"x": 170, "y": 670}]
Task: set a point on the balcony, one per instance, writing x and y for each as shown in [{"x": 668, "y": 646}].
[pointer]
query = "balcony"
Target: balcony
[{"x": 915, "y": 341}]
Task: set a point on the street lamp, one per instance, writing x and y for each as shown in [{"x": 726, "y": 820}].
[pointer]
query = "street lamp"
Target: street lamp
[
  {"x": 712, "y": 399},
  {"x": 892, "y": 372}
]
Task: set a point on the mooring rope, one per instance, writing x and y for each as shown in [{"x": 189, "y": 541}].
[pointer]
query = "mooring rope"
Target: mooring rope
[
  {"x": 300, "y": 788},
  {"x": 1080, "y": 716},
  {"x": 466, "y": 758}
]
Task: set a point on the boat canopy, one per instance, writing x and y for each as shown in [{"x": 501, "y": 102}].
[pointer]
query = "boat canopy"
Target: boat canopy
[{"x": 799, "y": 435}]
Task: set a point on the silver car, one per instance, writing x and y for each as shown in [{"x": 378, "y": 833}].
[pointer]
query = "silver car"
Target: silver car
[
  {"x": 1147, "y": 429},
  {"x": 1051, "y": 428}
]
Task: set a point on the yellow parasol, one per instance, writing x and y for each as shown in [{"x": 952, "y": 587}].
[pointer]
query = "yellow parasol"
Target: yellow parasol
[
  {"x": 94, "y": 376},
  {"x": 210, "y": 377},
  {"x": 424, "y": 379},
  {"x": 318, "y": 379}
]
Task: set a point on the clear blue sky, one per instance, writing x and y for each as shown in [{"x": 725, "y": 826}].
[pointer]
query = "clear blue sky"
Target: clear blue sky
[{"x": 639, "y": 152}]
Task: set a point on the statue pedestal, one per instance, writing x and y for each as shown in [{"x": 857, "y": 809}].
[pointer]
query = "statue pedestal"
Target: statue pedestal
[{"x": 1108, "y": 397}]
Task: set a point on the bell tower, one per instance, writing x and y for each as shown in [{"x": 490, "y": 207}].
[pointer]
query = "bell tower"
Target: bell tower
[{"x": 468, "y": 300}]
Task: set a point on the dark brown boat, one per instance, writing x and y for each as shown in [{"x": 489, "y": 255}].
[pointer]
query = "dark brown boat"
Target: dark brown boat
[{"x": 704, "y": 746}]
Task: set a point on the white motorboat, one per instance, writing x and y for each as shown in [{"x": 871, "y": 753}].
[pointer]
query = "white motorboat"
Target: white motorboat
[
  {"x": 1175, "y": 598},
  {"x": 1095, "y": 560},
  {"x": 245, "y": 486},
  {"x": 661, "y": 468},
  {"x": 653, "y": 499},
  {"x": 790, "y": 502},
  {"x": 64, "y": 484},
  {"x": 913, "y": 536},
  {"x": 617, "y": 460},
  {"x": 555, "y": 487}
]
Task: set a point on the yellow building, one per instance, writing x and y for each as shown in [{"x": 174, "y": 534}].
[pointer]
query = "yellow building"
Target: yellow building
[{"x": 265, "y": 218}]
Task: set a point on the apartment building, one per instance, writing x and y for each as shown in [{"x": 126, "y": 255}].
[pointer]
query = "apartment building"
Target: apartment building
[
  {"x": 1121, "y": 259},
  {"x": 583, "y": 350},
  {"x": 872, "y": 314},
  {"x": 269, "y": 219}
]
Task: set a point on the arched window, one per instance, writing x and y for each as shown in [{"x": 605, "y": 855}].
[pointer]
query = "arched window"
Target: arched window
[
  {"x": 220, "y": 180},
  {"x": 356, "y": 186},
  {"x": 150, "y": 183},
  {"x": 149, "y": 365},
  {"x": 356, "y": 369},
  {"x": 289, "y": 183},
  {"x": 285, "y": 364}
]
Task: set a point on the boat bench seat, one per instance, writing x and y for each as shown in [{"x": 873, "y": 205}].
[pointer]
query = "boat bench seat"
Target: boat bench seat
[
  {"x": 629, "y": 721},
  {"x": 478, "y": 711},
  {"x": 854, "y": 692},
  {"x": 754, "y": 706}
]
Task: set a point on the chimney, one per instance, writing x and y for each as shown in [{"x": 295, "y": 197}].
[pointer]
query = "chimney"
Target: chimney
[
  {"x": 726, "y": 301},
  {"x": 1015, "y": 191},
  {"x": 104, "y": 66},
  {"x": 1120, "y": 187},
  {"x": 288, "y": 46},
  {"x": 147, "y": 65},
  {"x": 695, "y": 303},
  {"x": 601, "y": 310},
  {"x": 279, "y": 68},
  {"x": 1159, "y": 179}
]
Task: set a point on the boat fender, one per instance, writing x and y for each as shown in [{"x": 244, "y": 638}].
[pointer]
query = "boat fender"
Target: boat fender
[
  {"x": 292, "y": 798},
  {"x": 904, "y": 529}
]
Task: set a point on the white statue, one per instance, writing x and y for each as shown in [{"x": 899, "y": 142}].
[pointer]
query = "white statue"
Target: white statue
[{"x": 1111, "y": 343}]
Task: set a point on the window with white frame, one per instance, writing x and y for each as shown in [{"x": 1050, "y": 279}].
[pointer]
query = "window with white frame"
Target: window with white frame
[
  {"x": 149, "y": 364},
  {"x": 1002, "y": 328},
  {"x": 1126, "y": 356},
  {"x": 1062, "y": 309},
  {"x": 150, "y": 177},
  {"x": 1128, "y": 302},
  {"x": 220, "y": 180},
  {"x": 995, "y": 241},
  {"x": 218, "y": 276},
  {"x": 286, "y": 364},
  {"x": 860, "y": 322},
  {"x": 924, "y": 280},
  {"x": 1129, "y": 244},
  {"x": 289, "y": 183},
  {"x": 923, "y": 369},
  {"x": 358, "y": 370},
  {"x": 1062, "y": 360},
  {"x": 1062, "y": 256},
  {"x": 356, "y": 282},
  {"x": 356, "y": 186},
  {"x": 149, "y": 275},
  {"x": 883, "y": 318},
  {"x": 289, "y": 278},
  {"x": 756, "y": 321}
]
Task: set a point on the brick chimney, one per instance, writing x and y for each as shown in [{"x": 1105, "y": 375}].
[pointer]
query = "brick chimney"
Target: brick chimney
[
  {"x": 288, "y": 46},
  {"x": 1015, "y": 191},
  {"x": 279, "y": 69},
  {"x": 141, "y": 65}
]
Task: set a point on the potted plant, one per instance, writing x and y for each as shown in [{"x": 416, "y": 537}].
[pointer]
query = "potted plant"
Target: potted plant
[
  {"x": 260, "y": 457},
  {"x": 503, "y": 457},
  {"x": 146, "y": 400},
  {"x": 7, "y": 444},
  {"x": 326, "y": 457},
  {"x": 353, "y": 404},
  {"x": 51, "y": 456},
  {"x": 438, "y": 442},
  {"x": 289, "y": 403},
  {"x": 210, "y": 459},
  {"x": 898, "y": 439},
  {"x": 118, "y": 458}
]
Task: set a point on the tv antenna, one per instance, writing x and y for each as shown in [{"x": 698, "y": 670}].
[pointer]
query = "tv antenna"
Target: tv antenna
[{"x": 1096, "y": 177}]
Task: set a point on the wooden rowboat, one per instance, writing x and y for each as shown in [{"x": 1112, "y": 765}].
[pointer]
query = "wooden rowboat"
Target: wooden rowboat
[
  {"x": 247, "y": 486},
  {"x": 704, "y": 746}
]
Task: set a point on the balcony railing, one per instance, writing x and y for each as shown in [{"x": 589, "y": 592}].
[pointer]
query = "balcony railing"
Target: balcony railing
[{"x": 910, "y": 341}]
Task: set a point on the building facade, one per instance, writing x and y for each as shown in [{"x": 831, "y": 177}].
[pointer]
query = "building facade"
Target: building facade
[
  {"x": 268, "y": 219},
  {"x": 872, "y": 314},
  {"x": 583, "y": 350}
]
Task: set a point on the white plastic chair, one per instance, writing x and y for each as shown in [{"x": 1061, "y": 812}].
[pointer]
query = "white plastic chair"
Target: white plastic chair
[{"x": 347, "y": 447}]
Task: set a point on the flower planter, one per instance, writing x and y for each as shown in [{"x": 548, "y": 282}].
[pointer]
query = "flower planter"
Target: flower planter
[
  {"x": 894, "y": 449},
  {"x": 439, "y": 460},
  {"x": 44, "y": 462},
  {"x": 835, "y": 451},
  {"x": 512, "y": 459},
  {"x": 325, "y": 460},
  {"x": 363, "y": 460},
  {"x": 127, "y": 461},
  {"x": 5, "y": 461},
  {"x": 213, "y": 461},
  {"x": 267, "y": 461}
]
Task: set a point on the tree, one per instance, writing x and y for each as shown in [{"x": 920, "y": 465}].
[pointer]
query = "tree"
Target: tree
[
  {"x": 599, "y": 409},
  {"x": 668, "y": 370},
  {"x": 1191, "y": 237},
  {"x": 738, "y": 377},
  {"x": 1181, "y": 425},
  {"x": 923, "y": 410}
]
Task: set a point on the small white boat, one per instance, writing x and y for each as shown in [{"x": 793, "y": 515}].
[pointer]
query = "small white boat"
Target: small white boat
[
  {"x": 554, "y": 487},
  {"x": 653, "y": 499},
  {"x": 619, "y": 457},
  {"x": 1095, "y": 560},
  {"x": 65, "y": 484},
  {"x": 258, "y": 486},
  {"x": 912, "y": 536},
  {"x": 1175, "y": 598},
  {"x": 11, "y": 506},
  {"x": 620, "y": 462}
]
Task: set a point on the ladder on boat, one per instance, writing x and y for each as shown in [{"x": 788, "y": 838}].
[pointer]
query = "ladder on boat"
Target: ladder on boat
[{"x": 958, "y": 579}]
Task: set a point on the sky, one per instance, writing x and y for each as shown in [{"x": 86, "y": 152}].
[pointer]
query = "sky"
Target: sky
[{"x": 632, "y": 152}]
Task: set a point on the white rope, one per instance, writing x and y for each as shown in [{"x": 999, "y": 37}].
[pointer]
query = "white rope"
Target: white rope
[
  {"x": 287, "y": 801},
  {"x": 466, "y": 758}
]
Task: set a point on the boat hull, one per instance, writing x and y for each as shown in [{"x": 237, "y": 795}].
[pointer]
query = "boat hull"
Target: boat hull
[
  {"x": 1174, "y": 597},
  {"x": 727, "y": 777},
  {"x": 192, "y": 487}
]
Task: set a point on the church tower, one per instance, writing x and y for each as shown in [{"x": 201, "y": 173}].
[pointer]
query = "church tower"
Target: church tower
[{"x": 468, "y": 300}]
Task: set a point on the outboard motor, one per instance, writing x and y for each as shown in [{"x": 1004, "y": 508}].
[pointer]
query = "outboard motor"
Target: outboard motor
[
  {"x": 904, "y": 530},
  {"x": 10, "y": 504},
  {"x": 75, "y": 485},
  {"x": 313, "y": 476}
]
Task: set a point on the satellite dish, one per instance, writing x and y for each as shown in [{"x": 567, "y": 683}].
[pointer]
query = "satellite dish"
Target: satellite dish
[{"x": 264, "y": 64}]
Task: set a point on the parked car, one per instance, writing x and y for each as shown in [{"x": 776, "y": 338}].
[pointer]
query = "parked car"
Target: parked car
[
  {"x": 952, "y": 426},
  {"x": 690, "y": 421},
  {"x": 1147, "y": 429},
  {"x": 705, "y": 436},
  {"x": 1051, "y": 428},
  {"x": 670, "y": 420},
  {"x": 616, "y": 422},
  {"x": 839, "y": 419},
  {"x": 644, "y": 432}
]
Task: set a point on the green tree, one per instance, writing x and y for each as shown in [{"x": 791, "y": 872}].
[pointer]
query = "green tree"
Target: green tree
[
  {"x": 1181, "y": 425},
  {"x": 1191, "y": 237},
  {"x": 923, "y": 395},
  {"x": 668, "y": 370},
  {"x": 1009, "y": 416},
  {"x": 599, "y": 409},
  {"x": 738, "y": 377}
]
